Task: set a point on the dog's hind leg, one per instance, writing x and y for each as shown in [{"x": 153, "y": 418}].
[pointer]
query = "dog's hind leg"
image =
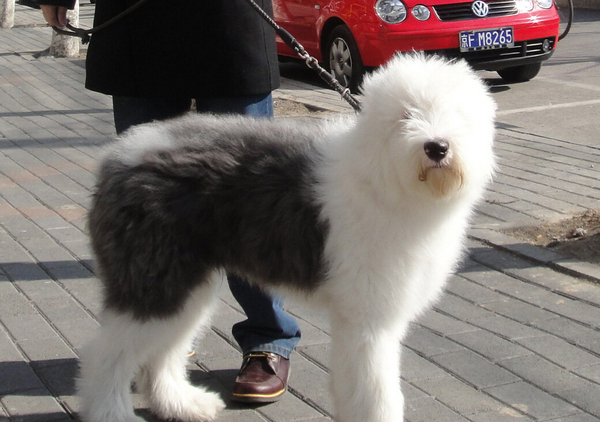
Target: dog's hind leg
[
  {"x": 125, "y": 344},
  {"x": 107, "y": 366},
  {"x": 163, "y": 379},
  {"x": 365, "y": 368}
]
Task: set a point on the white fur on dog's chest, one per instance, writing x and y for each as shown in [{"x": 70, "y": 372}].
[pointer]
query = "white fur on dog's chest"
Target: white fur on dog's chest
[{"x": 400, "y": 266}]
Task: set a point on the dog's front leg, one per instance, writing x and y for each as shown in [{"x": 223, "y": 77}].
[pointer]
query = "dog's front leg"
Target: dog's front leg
[{"x": 365, "y": 367}]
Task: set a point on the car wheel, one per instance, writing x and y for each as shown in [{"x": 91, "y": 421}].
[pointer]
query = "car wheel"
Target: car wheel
[
  {"x": 520, "y": 73},
  {"x": 343, "y": 58}
]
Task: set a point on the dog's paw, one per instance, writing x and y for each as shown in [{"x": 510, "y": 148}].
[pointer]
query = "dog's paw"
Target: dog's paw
[{"x": 194, "y": 405}]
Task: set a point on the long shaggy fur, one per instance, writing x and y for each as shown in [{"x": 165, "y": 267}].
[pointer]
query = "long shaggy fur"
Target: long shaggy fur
[{"x": 357, "y": 213}]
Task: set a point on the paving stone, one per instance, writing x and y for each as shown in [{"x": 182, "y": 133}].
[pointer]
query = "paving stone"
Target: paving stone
[
  {"x": 35, "y": 406},
  {"x": 591, "y": 373},
  {"x": 532, "y": 401},
  {"x": 38, "y": 340},
  {"x": 415, "y": 367},
  {"x": 506, "y": 328},
  {"x": 14, "y": 303},
  {"x": 518, "y": 310},
  {"x": 212, "y": 348},
  {"x": 582, "y": 417},
  {"x": 474, "y": 369},
  {"x": 582, "y": 312},
  {"x": 459, "y": 308},
  {"x": 311, "y": 384},
  {"x": 582, "y": 290},
  {"x": 443, "y": 324},
  {"x": 560, "y": 352},
  {"x": 58, "y": 375},
  {"x": 20, "y": 227},
  {"x": 289, "y": 408},
  {"x": 319, "y": 353},
  {"x": 585, "y": 398},
  {"x": 491, "y": 346},
  {"x": 472, "y": 292},
  {"x": 241, "y": 415},
  {"x": 458, "y": 396},
  {"x": 311, "y": 335},
  {"x": 428, "y": 344},
  {"x": 18, "y": 378},
  {"x": 410, "y": 392},
  {"x": 505, "y": 414},
  {"x": 428, "y": 409},
  {"x": 46, "y": 250},
  {"x": 573, "y": 332},
  {"x": 543, "y": 374}
]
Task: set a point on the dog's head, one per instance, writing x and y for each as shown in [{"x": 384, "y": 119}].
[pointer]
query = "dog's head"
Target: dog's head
[{"x": 435, "y": 119}]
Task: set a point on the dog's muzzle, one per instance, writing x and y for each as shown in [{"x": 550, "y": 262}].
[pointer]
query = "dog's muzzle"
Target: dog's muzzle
[{"x": 436, "y": 150}]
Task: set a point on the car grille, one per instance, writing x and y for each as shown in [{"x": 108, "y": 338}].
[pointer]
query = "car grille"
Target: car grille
[
  {"x": 521, "y": 49},
  {"x": 463, "y": 11}
]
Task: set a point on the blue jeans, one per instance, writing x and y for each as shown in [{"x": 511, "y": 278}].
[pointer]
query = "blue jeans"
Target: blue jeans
[{"x": 267, "y": 327}]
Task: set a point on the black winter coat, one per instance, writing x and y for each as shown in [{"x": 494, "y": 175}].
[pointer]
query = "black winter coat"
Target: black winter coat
[{"x": 182, "y": 48}]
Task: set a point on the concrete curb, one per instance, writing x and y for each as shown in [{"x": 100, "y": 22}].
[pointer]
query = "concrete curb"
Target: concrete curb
[{"x": 537, "y": 254}]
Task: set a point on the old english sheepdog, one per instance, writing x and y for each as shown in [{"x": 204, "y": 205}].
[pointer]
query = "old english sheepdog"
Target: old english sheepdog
[{"x": 366, "y": 214}]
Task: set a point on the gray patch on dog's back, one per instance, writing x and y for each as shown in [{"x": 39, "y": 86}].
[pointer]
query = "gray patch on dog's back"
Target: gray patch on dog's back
[{"x": 231, "y": 193}]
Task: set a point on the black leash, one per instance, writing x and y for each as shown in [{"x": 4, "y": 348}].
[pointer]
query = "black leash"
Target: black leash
[
  {"x": 311, "y": 62},
  {"x": 290, "y": 41},
  {"x": 85, "y": 34}
]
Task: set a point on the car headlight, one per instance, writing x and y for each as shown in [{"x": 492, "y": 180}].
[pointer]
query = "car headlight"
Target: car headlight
[
  {"x": 525, "y": 5},
  {"x": 421, "y": 12},
  {"x": 391, "y": 11},
  {"x": 544, "y": 4}
]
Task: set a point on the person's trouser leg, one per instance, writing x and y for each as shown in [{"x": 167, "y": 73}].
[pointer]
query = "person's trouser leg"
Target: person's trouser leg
[
  {"x": 130, "y": 111},
  {"x": 268, "y": 328},
  {"x": 268, "y": 335}
]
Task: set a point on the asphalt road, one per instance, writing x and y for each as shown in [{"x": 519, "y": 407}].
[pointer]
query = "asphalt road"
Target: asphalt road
[{"x": 562, "y": 102}]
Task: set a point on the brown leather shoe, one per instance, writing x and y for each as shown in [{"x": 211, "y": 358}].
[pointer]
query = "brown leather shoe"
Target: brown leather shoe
[{"x": 262, "y": 378}]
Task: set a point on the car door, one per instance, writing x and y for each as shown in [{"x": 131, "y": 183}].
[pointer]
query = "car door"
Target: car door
[{"x": 299, "y": 18}]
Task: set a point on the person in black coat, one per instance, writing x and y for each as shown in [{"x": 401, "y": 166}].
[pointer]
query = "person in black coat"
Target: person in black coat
[{"x": 220, "y": 53}]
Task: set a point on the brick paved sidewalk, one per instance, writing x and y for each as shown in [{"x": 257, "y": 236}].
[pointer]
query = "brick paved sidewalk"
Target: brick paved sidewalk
[{"x": 512, "y": 339}]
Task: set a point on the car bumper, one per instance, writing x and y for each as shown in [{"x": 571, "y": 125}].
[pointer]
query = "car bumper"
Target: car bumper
[
  {"x": 524, "y": 52},
  {"x": 380, "y": 42}
]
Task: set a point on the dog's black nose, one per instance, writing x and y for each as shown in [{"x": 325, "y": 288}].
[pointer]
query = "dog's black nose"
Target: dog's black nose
[{"x": 436, "y": 149}]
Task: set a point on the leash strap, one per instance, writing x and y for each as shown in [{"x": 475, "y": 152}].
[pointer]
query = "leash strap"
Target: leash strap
[
  {"x": 311, "y": 62},
  {"x": 85, "y": 34}
]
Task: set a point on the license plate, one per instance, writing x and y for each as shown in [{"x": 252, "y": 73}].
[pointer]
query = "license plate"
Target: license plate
[{"x": 486, "y": 39}]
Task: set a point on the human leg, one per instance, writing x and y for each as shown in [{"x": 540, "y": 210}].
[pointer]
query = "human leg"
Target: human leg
[
  {"x": 130, "y": 111},
  {"x": 268, "y": 327},
  {"x": 253, "y": 105},
  {"x": 268, "y": 335}
]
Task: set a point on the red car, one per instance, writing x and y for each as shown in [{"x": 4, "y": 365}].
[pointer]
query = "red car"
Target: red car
[{"x": 511, "y": 37}]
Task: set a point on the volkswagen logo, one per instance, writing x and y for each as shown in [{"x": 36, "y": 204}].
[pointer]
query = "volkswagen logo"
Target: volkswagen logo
[{"x": 480, "y": 8}]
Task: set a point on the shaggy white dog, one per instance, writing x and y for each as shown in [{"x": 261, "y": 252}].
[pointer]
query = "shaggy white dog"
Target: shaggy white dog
[{"x": 366, "y": 215}]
